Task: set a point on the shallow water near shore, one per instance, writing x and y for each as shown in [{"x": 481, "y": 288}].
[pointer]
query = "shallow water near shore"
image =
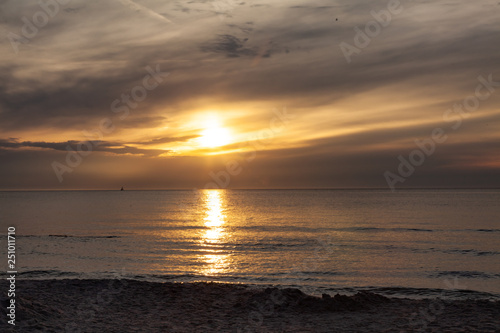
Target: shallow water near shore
[{"x": 413, "y": 243}]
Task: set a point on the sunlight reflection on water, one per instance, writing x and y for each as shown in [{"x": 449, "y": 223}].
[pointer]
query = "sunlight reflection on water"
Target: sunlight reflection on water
[{"x": 214, "y": 205}]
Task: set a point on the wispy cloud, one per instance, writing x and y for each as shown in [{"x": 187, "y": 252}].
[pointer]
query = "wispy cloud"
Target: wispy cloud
[
  {"x": 142, "y": 9},
  {"x": 98, "y": 145}
]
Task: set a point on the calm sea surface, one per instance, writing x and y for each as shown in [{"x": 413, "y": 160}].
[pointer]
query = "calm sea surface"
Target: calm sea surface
[{"x": 414, "y": 243}]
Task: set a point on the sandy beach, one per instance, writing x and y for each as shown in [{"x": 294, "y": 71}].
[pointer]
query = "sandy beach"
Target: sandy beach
[{"x": 134, "y": 306}]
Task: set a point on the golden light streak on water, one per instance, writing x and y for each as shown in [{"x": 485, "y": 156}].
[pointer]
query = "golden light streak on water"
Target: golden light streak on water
[{"x": 215, "y": 220}]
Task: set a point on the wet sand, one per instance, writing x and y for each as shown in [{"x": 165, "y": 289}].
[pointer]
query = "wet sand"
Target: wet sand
[{"x": 134, "y": 306}]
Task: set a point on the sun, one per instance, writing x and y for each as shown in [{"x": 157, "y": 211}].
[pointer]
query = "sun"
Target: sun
[{"x": 214, "y": 135}]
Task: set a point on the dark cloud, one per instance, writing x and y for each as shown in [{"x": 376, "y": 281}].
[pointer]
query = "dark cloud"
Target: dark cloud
[
  {"x": 284, "y": 168},
  {"x": 76, "y": 97},
  {"x": 99, "y": 146},
  {"x": 229, "y": 45}
]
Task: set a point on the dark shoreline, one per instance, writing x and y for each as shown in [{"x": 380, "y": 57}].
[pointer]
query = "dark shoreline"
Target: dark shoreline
[{"x": 72, "y": 305}]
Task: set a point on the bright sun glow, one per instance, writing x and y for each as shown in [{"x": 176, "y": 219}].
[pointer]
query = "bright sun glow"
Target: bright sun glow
[{"x": 214, "y": 135}]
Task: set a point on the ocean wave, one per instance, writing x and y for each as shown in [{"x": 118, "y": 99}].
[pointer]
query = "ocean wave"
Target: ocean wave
[
  {"x": 69, "y": 236},
  {"x": 322, "y": 273},
  {"x": 174, "y": 227},
  {"x": 464, "y": 274},
  {"x": 44, "y": 274},
  {"x": 478, "y": 253},
  {"x": 374, "y": 229},
  {"x": 72, "y": 236},
  {"x": 430, "y": 293},
  {"x": 473, "y": 230},
  {"x": 306, "y": 283},
  {"x": 486, "y": 230}
]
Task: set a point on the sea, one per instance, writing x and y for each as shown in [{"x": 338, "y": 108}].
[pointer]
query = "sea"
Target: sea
[{"x": 410, "y": 243}]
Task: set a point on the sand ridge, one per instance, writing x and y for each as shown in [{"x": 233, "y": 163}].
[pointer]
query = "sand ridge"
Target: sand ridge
[{"x": 73, "y": 305}]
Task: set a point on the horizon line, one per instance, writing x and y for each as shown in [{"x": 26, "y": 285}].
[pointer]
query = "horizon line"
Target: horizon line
[{"x": 255, "y": 189}]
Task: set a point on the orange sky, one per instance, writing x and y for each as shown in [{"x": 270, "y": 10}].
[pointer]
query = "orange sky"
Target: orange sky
[{"x": 248, "y": 94}]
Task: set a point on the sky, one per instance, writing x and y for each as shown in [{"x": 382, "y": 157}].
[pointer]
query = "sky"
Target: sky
[{"x": 151, "y": 94}]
